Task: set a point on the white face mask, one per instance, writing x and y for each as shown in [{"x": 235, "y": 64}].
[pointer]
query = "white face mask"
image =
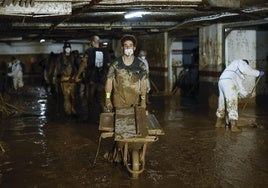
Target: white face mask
[
  {"x": 128, "y": 52},
  {"x": 143, "y": 57},
  {"x": 67, "y": 50}
]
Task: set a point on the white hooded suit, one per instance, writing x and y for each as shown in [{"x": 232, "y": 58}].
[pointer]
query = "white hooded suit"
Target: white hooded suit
[
  {"x": 230, "y": 86},
  {"x": 17, "y": 74}
]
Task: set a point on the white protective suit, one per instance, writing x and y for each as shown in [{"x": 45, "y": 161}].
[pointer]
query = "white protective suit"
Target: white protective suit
[
  {"x": 144, "y": 60},
  {"x": 17, "y": 74},
  {"x": 230, "y": 86}
]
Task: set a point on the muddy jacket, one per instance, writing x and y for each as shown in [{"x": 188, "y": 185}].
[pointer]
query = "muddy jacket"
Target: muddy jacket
[
  {"x": 126, "y": 81},
  {"x": 97, "y": 64},
  {"x": 236, "y": 71},
  {"x": 66, "y": 68}
]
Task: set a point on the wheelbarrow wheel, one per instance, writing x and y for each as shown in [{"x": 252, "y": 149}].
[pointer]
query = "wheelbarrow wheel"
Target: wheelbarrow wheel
[{"x": 135, "y": 163}]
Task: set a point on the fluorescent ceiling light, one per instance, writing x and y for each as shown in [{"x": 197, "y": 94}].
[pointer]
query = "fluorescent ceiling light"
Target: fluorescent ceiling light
[
  {"x": 105, "y": 43},
  {"x": 11, "y": 38},
  {"x": 137, "y": 14}
]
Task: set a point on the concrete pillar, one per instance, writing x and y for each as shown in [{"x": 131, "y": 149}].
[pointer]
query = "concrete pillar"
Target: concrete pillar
[
  {"x": 210, "y": 63},
  {"x": 158, "y": 49}
]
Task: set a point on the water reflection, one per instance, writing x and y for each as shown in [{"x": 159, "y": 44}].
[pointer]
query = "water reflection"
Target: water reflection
[
  {"x": 45, "y": 150},
  {"x": 42, "y": 107}
]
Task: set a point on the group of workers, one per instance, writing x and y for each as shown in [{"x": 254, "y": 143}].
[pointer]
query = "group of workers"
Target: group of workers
[{"x": 122, "y": 82}]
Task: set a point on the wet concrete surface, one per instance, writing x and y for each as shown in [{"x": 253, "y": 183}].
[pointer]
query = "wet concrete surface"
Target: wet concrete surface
[{"x": 45, "y": 149}]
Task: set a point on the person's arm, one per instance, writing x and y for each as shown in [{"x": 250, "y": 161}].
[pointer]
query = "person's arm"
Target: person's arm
[
  {"x": 143, "y": 84},
  {"x": 107, "y": 59},
  {"x": 82, "y": 67},
  {"x": 56, "y": 70},
  {"x": 15, "y": 71},
  {"x": 109, "y": 85},
  {"x": 246, "y": 69},
  {"x": 108, "y": 89},
  {"x": 143, "y": 87}
]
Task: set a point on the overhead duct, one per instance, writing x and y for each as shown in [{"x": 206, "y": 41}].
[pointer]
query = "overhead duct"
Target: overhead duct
[
  {"x": 39, "y": 9},
  {"x": 21, "y": 3}
]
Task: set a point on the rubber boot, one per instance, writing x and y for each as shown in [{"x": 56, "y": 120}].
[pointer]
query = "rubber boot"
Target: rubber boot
[
  {"x": 220, "y": 123},
  {"x": 234, "y": 127}
]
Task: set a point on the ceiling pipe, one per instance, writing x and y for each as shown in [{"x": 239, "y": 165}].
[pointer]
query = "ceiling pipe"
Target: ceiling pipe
[
  {"x": 84, "y": 9},
  {"x": 202, "y": 18},
  {"x": 248, "y": 12}
]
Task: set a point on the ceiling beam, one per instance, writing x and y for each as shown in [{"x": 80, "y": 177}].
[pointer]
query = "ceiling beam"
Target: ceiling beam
[
  {"x": 39, "y": 9},
  {"x": 99, "y": 25}
]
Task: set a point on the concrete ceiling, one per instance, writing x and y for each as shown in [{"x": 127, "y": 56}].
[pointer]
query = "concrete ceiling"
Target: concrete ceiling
[{"x": 79, "y": 19}]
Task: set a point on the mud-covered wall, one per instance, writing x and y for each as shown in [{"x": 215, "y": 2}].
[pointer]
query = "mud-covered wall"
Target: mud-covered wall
[
  {"x": 262, "y": 62},
  {"x": 210, "y": 63},
  {"x": 241, "y": 44},
  {"x": 210, "y": 49},
  {"x": 251, "y": 45},
  {"x": 158, "y": 57},
  {"x": 244, "y": 43}
]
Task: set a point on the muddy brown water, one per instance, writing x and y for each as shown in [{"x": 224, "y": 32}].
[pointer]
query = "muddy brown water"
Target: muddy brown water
[{"x": 44, "y": 149}]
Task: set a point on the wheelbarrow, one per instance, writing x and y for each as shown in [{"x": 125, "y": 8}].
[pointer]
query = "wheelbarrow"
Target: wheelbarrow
[{"x": 132, "y": 129}]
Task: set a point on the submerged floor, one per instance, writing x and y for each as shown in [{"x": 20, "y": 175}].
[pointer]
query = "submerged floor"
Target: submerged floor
[{"x": 43, "y": 149}]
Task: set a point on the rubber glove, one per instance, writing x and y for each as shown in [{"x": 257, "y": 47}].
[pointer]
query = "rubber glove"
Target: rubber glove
[
  {"x": 261, "y": 73},
  {"x": 108, "y": 103}
]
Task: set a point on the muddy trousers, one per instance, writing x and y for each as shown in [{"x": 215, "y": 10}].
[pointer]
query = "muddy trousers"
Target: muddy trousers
[
  {"x": 96, "y": 94},
  {"x": 228, "y": 100},
  {"x": 68, "y": 91}
]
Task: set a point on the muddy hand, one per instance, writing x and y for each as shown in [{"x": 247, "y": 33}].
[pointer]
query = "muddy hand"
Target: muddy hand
[
  {"x": 108, "y": 105},
  {"x": 143, "y": 103}
]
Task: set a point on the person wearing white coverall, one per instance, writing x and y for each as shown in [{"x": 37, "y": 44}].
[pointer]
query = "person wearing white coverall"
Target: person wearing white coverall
[
  {"x": 17, "y": 74},
  {"x": 230, "y": 87},
  {"x": 142, "y": 57}
]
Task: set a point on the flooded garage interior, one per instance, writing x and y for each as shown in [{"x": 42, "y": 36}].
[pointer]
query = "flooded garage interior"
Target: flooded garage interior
[
  {"x": 188, "y": 45},
  {"x": 41, "y": 148}
]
